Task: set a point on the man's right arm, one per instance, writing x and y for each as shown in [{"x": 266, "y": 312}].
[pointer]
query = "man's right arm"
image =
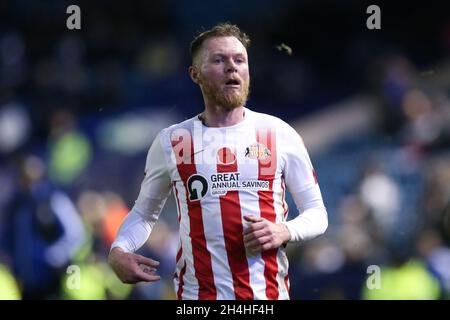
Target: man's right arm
[{"x": 138, "y": 224}]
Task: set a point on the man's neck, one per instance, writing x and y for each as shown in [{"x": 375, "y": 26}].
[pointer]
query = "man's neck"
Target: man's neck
[{"x": 218, "y": 117}]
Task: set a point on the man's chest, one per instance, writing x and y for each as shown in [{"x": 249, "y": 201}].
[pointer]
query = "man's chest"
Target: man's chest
[{"x": 219, "y": 161}]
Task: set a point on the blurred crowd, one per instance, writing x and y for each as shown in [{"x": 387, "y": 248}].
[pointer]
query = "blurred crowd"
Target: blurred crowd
[
  {"x": 387, "y": 190},
  {"x": 79, "y": 109}
]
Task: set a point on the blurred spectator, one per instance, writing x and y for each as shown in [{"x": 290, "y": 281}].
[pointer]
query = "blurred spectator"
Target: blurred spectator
[
  {"x": 41, "y": 231},
  {"x": 13, "y": 62},
  {"x": 15, "y": 127},
  {"x": 9, "y": 289},
  {"x": 436, "y": 192},
  {"x": 425, "y": 126},
  {"x": 116, "y": 210},
  {"x": 406, "y": 278},
  {"x": 437, "y": 257},
  {"x": 392, "y": 77},
  {"x": 70, "y": 150},
  {"x": 446, "y": 223},
  {"x": 98, "y": 282},
  {"x": 381, "y": 195}
]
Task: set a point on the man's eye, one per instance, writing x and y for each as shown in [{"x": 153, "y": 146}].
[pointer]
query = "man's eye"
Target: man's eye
[{"x": 218, "y": 60}]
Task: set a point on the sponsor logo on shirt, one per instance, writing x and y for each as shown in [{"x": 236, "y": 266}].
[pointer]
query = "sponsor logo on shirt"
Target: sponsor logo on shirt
[
  {"x": 221, "y": 183},
  {"x": 197, "y": 186}
]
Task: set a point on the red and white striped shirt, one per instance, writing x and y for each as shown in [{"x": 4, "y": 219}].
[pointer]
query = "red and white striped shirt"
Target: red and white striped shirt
[{"x": 220, "y": 175}]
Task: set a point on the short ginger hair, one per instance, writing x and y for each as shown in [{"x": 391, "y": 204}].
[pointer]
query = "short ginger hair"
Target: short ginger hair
[{"x": 220, "y": 30}]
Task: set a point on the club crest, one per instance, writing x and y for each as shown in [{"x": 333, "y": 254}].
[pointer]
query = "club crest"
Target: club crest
[{"x": 257, "y": 151}]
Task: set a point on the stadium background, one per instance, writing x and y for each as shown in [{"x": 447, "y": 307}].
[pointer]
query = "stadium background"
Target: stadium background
[{"x": 79, "y": 109}]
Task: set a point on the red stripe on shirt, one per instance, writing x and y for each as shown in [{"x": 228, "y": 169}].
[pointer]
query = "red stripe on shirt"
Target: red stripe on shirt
[
  {"x": 230, "y": 210},
  {"x": 181, "y": 284},
  {"x": 266, "y": 171},
  {"x": 202, "y": 258},
  {"x": 286, "y": 283},
  {"x": 178, "y": 202},
  {"x": 180, "y": 252},
  {"x": 315, "y": 176},
  {"x": 283, "y": 198}
]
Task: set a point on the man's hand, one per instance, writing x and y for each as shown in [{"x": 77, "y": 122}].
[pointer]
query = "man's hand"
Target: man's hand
[
  {"x": 262, "y": 235},
  {"x": 132, "y": 268}
]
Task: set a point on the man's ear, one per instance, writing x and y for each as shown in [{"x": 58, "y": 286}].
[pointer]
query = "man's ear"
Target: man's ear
[{"x": 193, "y": 73}]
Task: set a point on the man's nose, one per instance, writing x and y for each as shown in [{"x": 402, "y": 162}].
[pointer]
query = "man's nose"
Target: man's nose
[{"x": 231, "y": 66}]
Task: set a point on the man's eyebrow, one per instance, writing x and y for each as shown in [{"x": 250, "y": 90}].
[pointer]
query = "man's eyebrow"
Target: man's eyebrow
[{"x": 222, "y": 54}]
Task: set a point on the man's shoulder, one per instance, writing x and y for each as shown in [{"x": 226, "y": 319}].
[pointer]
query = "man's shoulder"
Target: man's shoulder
[
  {"x": 186, "y": 124},
  {"x": 285, "y": 132},
  {"x": 264, "y": 119}
]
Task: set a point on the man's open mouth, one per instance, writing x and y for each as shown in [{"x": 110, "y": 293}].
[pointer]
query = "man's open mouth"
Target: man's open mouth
[{"x": 232, "y": 82}]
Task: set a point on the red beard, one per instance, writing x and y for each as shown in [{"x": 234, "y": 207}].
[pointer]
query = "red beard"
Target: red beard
[{"x": 228, "y": 100}]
